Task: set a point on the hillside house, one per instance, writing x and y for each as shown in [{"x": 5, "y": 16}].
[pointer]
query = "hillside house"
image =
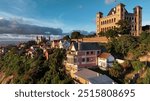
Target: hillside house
[
  {"x": 82, "y": 55},
  {"x": 64, "y": 44},
  {"x": 60, "y": 44},
  {"x": 55, "y": 44},
  {"x": 105, "y": 60}
]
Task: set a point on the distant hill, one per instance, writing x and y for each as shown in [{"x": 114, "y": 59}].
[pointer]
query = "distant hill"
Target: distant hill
[
  {"x": 13, "y": 26},
  {"x": 146, "y": 28},
  {"x": 84, "y": 32}
]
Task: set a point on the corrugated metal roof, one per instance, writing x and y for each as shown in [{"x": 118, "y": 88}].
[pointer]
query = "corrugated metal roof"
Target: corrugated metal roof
[
  {"x": 87, "y": 46},
  {"x": 103, "y": 79},
  {"x": 86, "y": 73}
]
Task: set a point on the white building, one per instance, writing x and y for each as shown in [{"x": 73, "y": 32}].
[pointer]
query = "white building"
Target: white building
[{"x": 105, "y": 60}]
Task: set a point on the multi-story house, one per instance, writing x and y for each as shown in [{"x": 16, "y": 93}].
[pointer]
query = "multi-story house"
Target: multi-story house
[
  {"x": 120, "y": 13},
  {"x": 82, "y": 54},
  {"x": 64, "y": 44},
  {"x": 55, "y": 44},
  {"x": 60, "y": 44},
  {"x": 40, "y": 39}
]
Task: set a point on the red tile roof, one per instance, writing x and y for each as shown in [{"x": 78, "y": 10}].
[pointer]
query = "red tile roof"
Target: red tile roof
[{"x": 104, "y": 55}]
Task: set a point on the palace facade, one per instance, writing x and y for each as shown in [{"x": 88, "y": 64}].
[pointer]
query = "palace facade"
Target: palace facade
[{"x": 120, "y": 13}]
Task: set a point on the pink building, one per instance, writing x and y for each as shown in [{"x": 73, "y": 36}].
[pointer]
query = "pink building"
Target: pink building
[{"x": 82, "y": 54}]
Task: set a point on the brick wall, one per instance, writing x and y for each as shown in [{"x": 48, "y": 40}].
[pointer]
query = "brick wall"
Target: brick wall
[{"x": 93, "y": 39}]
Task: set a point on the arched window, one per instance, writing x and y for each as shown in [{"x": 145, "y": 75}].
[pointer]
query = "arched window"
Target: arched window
[
  {"x": 114, "y": 19},
  {"x": 109, "y": 21}
]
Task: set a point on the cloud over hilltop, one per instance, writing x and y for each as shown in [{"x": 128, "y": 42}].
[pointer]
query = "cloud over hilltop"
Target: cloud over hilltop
[
  {"x": 18, "y": 26},
  {"x": 109, "y": 1}
]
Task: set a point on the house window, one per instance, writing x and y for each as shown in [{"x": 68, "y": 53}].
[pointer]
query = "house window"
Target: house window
[
  {"x": 83, "y": 59},
  {"x": 87, "y": 59},
  {"x": 87, "y": 53},
  {"x": 91, "y": 52},
  {"x": 75, "y": 60},
  {"x": 98, "y": 52}
]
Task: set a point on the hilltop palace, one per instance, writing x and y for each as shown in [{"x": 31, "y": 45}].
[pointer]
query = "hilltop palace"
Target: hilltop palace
[{"x": 120, "y": 13}]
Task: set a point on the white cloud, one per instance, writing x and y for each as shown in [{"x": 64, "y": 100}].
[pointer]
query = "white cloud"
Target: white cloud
[
  {"x": 109, "y": 1},
  {"x": 19, "y": 11},
  {"x": 1, "y": 18},
  {"x": 53, "y": 23}
]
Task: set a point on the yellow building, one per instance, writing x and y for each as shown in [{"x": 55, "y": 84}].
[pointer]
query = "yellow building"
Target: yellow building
[{"x": 120, "y": 13}]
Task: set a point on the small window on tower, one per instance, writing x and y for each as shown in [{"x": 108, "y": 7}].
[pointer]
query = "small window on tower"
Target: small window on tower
[
  {"x": 114, "y": 9},
  {"x": 114, "y": 19}
]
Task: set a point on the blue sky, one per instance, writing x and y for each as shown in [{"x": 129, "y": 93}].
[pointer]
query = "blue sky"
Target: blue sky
[{"x": 65, "y": 14}]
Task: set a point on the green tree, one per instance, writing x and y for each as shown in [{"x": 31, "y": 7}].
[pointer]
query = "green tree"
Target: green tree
[
  {"x": 145, "y": 38},
  {"x": 117, "y": 66},
  {"x": 75, "y": 35},
  {"x": 101, "y": 33},
  {"x": 30, "y": 43},
  {"x": 66, "y": 37},
  {"x": 137, "y": 65},
  {"x": 124, "y": 43},
  {"x": 112, "y": 33},
  {"x": 146, "y": 80},
  {"x": 37, "y": 69},
  {"x": 114, "y": 72},
  {"x": 124, "y": 27}
]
